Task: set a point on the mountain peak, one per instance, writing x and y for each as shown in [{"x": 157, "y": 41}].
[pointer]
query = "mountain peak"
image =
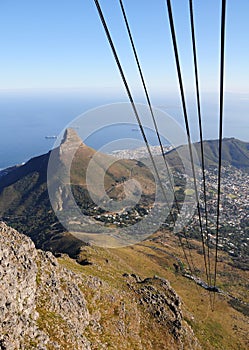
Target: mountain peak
[
  {"x": 69, "y": 144},
  {"x": 71, "y": 137}
]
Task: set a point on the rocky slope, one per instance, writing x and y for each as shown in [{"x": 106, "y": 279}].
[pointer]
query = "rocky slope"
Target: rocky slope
[
  {"x": 36, "y": 293},
  {"x": 47, "y": 306}
]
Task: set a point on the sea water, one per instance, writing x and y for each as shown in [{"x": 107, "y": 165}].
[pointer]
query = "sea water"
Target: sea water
[
  {"x": 27, "y": 117},
  {"x": 31, "y": 121}
]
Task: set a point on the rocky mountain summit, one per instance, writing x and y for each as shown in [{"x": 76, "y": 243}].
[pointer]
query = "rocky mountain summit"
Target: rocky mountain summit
[{"x": 47, "y": 306}]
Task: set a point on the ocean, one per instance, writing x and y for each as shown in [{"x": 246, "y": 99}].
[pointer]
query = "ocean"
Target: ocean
[{"x": 28, "y": 117}]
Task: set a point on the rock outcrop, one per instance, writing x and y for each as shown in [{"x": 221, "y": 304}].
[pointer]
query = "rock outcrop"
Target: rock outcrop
[
  {"x": 164, "y": 305},
  {"x": 46, "y": 306},
  {"x": 42, "y": 306}
]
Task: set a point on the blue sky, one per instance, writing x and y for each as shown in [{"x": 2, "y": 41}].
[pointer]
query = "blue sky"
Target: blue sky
[
  {"x": 61, "y": 44},
  {"x": 58, "y": 49}
]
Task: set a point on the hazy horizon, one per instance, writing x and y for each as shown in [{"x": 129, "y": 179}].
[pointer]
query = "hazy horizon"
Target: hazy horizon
[{"x": 29, "y": 116}]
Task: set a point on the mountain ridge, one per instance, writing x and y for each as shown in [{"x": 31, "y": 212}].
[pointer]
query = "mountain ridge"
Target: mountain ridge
[
  {"x": 234, "y": 152},
  {"x": 24, "y": 200}
]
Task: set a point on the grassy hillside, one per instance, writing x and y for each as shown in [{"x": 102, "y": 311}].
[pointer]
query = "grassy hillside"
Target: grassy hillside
[
  {"x": 234, "y": 152},
  {"x": 224, "y": 328}
]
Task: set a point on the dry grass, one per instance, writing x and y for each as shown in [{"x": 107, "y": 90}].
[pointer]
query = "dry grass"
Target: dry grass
[{"x": 223, "y": 328}]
